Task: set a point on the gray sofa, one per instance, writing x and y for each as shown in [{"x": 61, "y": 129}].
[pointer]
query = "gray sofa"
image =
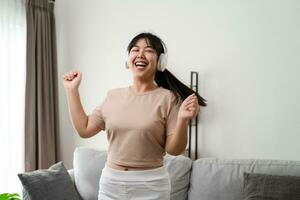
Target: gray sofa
[{"x": 203, "y": 179}]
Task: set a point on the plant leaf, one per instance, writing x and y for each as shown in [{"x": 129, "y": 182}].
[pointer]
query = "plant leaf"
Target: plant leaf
[{"x": 7, "y": 196}]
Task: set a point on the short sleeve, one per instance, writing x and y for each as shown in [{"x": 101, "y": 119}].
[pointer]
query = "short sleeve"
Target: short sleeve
[
  {"x": 96, "y": 116},
  {"x": 172, "y": 115}
]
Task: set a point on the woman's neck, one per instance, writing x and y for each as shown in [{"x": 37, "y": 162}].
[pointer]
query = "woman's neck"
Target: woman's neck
[{"x": 143, "y": 86}]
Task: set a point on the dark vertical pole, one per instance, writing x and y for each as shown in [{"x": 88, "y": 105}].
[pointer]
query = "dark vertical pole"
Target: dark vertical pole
[
  {"x": 196, "y": 124},
  {"x": 190, "y": 135},
  {"x": 190, "y": 123},
  {"x": 194, "y": 86}
]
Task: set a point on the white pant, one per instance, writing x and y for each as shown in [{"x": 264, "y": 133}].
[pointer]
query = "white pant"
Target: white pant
[{"x": 153, "y": 184}]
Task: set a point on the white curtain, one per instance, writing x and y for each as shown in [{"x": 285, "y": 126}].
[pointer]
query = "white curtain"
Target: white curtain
[{"x": 12, "y": 93}]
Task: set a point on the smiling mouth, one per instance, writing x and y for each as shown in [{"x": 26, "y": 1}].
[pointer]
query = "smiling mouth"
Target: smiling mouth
[{"x": 140, "y": 64}]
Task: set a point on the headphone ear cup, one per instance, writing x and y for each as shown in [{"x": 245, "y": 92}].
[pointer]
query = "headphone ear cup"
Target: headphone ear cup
[{"x": 162, "y": 62}]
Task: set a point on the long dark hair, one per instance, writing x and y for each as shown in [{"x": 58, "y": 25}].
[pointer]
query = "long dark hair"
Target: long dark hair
[{"x": 166, "y": 79}]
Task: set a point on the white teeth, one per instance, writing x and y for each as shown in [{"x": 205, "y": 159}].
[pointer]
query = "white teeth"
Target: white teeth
[{"x": 140, "y": 63}]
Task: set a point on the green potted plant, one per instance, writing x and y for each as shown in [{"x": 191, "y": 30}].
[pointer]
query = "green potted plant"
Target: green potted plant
[{"x": 7, "y": 196}]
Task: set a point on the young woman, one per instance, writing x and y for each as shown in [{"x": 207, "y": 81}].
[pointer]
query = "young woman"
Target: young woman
[{"x": 143, "y": 122}]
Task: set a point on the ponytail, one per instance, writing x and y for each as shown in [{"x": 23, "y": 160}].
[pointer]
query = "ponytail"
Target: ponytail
[{"x": 168, "y": 81}]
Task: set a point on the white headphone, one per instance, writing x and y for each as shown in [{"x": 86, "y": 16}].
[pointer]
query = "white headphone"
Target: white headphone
[{"x": 161, "y": 63}]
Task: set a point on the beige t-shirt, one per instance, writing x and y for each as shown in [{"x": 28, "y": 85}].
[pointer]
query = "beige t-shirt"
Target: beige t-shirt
[{"x": 137, "y": 125}]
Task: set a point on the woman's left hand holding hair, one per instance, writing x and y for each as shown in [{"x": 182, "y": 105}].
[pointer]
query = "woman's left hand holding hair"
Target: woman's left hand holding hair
[
  {"x": 189, "y": 108},
  {"x": 177, "y": 142}
]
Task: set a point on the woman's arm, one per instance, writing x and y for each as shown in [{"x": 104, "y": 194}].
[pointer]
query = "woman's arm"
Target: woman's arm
[
  {"x": 176, "y": 143},
  {"x": 78, "y": 117}
]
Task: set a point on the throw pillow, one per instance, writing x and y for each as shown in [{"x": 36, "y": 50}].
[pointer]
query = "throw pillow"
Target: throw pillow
[
  {"x": 48, "y": 184},
  {"x": 275, "y": 187}
]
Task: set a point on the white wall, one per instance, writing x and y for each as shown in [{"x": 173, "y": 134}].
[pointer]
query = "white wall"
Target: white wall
[{"x": 246, "y": 53}]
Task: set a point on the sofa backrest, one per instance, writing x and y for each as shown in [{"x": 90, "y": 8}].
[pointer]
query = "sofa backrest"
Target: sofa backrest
[
  {"x": 222, "y": 179},
  {"x": 88, "y": 164},
  {"x": 179, "y": 169}
]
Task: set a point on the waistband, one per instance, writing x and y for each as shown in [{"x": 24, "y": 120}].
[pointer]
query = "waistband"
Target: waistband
[{"x": 138, "y": 175}]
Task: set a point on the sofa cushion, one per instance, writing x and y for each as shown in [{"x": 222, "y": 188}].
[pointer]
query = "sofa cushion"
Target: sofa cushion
[
  {"x": 48, "y": 184},
  {"x": 265, "y": 186},
  {"x": 179, "y": 168},
  {"x": 218, "y": 179},
  {"x": 88, "y": 164}
]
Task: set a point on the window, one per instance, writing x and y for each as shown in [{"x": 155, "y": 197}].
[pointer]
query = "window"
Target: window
[{"x": 12, "y": 93}]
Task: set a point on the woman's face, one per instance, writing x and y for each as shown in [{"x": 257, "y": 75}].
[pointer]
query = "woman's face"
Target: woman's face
[{"x": 142, "y": 59}]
